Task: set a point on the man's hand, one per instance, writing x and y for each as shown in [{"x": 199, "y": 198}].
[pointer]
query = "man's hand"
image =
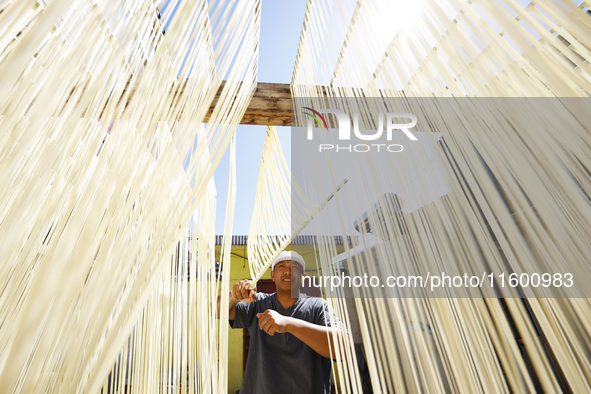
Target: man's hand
[
  {"x": 241, "y": 291},
  {"x": 319, "y": 337},
  {"x": 272, "y": 321}
]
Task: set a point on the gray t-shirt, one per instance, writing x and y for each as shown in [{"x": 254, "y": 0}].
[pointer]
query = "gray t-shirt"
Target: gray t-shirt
[{"x": 282, "y": 363}]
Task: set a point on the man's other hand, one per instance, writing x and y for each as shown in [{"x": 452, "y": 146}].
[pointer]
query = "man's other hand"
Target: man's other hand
[
  {"x": 241, "y": 291},
  {"x": 272, "y": 321}
]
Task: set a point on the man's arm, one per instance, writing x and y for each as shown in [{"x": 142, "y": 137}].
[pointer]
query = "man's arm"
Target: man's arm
[
  {"x": 320, "y": 338},
  {"x": 241, "y": 291},
  {"x": 232, "y": 310}
]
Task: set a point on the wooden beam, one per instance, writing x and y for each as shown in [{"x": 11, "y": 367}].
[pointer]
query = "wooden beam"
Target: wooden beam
[{"x": 270, "y": 105}]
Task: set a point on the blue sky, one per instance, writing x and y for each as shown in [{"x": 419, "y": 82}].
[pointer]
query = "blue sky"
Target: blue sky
[{"x": 281, "y": 24}]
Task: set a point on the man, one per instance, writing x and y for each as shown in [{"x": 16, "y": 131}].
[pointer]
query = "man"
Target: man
[{"x": 290, "y": 335}]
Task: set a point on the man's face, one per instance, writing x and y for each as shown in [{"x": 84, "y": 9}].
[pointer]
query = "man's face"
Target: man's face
[{"x": 287, "y": 275}]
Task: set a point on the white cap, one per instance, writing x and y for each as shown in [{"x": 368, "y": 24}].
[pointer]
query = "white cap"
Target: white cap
[{"x": 290, "y": 255}]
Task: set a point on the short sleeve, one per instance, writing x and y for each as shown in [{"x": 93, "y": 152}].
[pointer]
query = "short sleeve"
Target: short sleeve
[
  {"x": 322, "y": 315},
  {"x": 326, "y": 316},
  {"x": 244, "y": 315}
]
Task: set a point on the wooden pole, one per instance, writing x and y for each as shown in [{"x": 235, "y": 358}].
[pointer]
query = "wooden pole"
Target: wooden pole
[{"x": 270, "y": 105}]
